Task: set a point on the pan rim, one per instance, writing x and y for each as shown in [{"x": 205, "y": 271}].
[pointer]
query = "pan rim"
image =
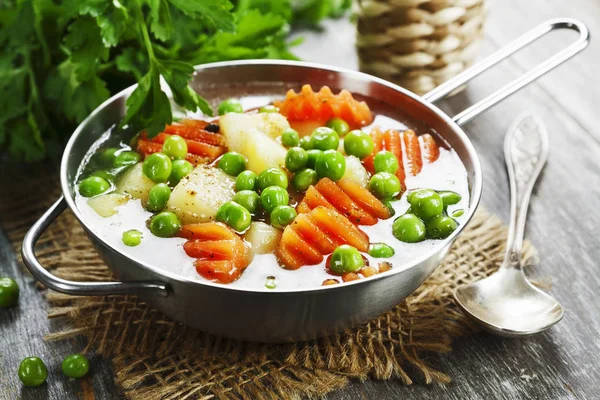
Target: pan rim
[{"x": 475, "y": 197}]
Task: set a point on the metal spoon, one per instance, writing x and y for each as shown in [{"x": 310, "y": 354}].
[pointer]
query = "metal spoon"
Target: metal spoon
[{"x": 506, "y": 303}]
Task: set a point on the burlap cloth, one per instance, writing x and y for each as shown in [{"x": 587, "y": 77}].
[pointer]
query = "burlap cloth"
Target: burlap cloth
[{"x": 156, "y": 358}]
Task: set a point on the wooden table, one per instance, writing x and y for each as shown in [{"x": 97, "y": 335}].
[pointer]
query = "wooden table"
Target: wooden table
[{"x": 563, "y": 222}]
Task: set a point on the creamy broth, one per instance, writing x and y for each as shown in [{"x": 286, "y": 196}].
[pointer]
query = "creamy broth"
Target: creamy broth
[{"x": 446, "y": 173}]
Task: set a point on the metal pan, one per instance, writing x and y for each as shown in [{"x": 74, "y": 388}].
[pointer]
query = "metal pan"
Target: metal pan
[{"x": 293, "y": 315}]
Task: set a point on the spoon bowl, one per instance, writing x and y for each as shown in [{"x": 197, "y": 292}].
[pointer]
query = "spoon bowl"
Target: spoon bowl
[{"x": 507, "y": 304}]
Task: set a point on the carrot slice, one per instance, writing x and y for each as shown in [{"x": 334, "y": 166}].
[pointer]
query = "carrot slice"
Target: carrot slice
[
  {"x": 286, "y": 258},
  {"x": 412, "y": 151},
  {"x": 203, "y": 149},
  {"x": 377, "y": 136},
  {"x": 212, "y": 249},
  {"x": 206, "y": 231},
  {"x": 147, "y": 147},
  {"x": 305, "y": 226},
  {"x": 313, "y": 198},
  {"x": 431, "y": 150},
  {"x": 300, "y": 248},
  {"x": 394, "y": 145},
  {"x": 323, "y": 105},
  {"x": 334, "y": 223},
  {"x": 343, "y": 203},
  {"x": 223, "y": 271},
  {"x": 191, "y": 132},
  {"x": 364, "y": 199},
  {"x": 302, "y": 207},
  {"x": 350, "y": 276}
]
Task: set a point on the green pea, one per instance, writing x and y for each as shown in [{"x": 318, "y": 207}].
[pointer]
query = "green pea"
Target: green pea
[
  {"x": 324, "y": 138},
  {"x": 409, "y": 228},
  {"x": 9, "y": 293},
  {"x": 426, "y": 204},
  {"x": 388, "y": 204},
  {"x": 295, "y": 159},
  {"x": 230, "y": 105},
  {"x": 458, "y": 213},
  {"x": 313, "y": 154},
  {"x": 180, "y": 169},
  {"x": 107, "y": 156},
  {"x": 303, "y": 179},
  {"x": 441, "y": 227},
  {"x": 384, "y": 185},
  {"x": 272, "y": 177},
  {"x": 449, "y": 197},
  {"x": 93, "y": 186},
  {"x": 108, "y": 176},
  {"x": 166, "y": 224},
  {"x": 247, "y": 199},
  {"x": 385, "y": 161},
  {"x": 75, "y": 366},
  {"x": 381, "y": 250},
  {"x": 175, "y": 147},
  {"x": 358, "y": 143},
  {"x": 269, "y": 109},
  {"x": 306, "y": 143},
  {"x": 232, "y": 163},
  {"x": 126, "y": 158},
  {"x": 157, "y": 167},
  {"x": 247, "y": 180},
  {"x": 345, "y": 259},
  {"x": 338, "y": 125},
  {"x": 234, "y": 215},
  {"x": 410, "y": 195},
  {"x": 290, "y": 138},
  {"x": 32, "y": 372},
  {"x": 282, "y": 216},
  {"x": 270, "y": 283},
  {"x": 158, "y": 197},
  {"x": 331, "y": 164},
  {"x": 272, "y": 197},
  {"x": 132, "y": 238}
]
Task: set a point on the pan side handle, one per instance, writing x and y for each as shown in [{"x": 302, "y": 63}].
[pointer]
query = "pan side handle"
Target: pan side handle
[
  {"x": 554, "y": 24},
  {"x": 72, "y": 287}
]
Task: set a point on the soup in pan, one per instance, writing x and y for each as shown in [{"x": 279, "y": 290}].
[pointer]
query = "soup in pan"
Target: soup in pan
[{"x": 278, "y": 192}]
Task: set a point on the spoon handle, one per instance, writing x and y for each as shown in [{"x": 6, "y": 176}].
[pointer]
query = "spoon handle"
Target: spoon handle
[{"x": 525, "y": 153}]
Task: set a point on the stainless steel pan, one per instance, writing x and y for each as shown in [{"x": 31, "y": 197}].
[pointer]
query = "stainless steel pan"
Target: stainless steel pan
[{"x": 297, "y": 314}]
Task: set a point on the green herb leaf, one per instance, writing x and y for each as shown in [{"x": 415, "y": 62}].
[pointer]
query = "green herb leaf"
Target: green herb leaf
[
  {"x": 160, "y": 16},
  {"x": 148, "y": 107},
  {"x": 86, "y": 46},
  {"x": 215, "y": 11},
  {"x": 177, "y": 74}
]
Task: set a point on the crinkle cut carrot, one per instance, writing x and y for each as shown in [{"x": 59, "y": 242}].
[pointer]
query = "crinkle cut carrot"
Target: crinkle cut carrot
[
  {"x": 431, "y": 150},
  {"x": 364, "y": 199},
  {"x": 221, "y": 255},
  {"x": 323, "y": 105},
  {"x": 191, "y": 132},
  {"x": 336, "y": 224},
  {"x": 300, "y": 248},
  {"x": 302, "y": 207},
  {"x": 306, "y": 227},
  {"x": 412, "y": 152},
  {"x": 211, "y": 249},
  {"x": 206, "y": 231},
  {"x": 206, "y": 150},
  {"x": 222, "y": 271},
  {"x": 377, "y": 136},
  {"x": 313, "y": 198},
  {"x": 343, "y": 203},
  {"x": 146, "y": 147},
  {"x": 315, "y": 234},
  {"x": 393, "y": 144}
]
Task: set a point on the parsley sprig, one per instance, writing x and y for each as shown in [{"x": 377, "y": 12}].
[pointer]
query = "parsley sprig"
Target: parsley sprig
[{"x": 60, "y": 59}]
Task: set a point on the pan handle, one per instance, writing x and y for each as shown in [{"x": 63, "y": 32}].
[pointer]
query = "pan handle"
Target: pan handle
[
  {"x": 554, "y": 24},
  {"x": 72, "y": 287}
]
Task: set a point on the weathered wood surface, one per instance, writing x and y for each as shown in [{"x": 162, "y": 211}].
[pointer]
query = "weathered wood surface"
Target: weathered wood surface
[{"x": 563, "y": 220}]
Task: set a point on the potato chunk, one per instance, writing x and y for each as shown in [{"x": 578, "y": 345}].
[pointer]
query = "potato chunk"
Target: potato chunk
[
  {"x": 355, "y": 171},
  {"x": 134, "y": 183},
  {"x": 262, "y": 237},
  {"x": 254, "y": 135},
  {"x": 106, "y": 205},
  {"x": 198, "y": 196}
]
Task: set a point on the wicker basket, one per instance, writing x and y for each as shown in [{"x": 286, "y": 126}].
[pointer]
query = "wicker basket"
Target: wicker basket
[{"x": 418, "y": 44}]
